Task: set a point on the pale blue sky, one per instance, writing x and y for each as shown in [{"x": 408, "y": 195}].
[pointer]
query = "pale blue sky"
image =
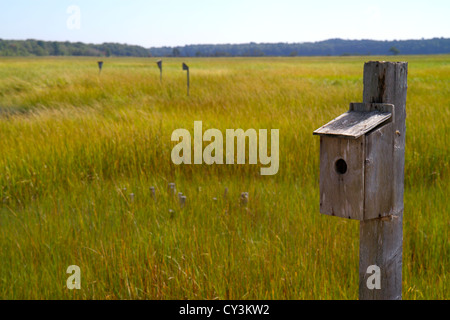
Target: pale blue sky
[{"x": 176, "y": 22}]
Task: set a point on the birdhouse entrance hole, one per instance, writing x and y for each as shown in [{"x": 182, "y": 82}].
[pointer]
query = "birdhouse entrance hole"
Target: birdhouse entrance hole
[{"x": 341, "y": 166}]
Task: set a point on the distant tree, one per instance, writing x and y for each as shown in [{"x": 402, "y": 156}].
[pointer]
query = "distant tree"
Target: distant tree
[
  {"x": 394, "y": 50},
  {"x": 56, "y": 49},
  {"x": 176, "y": 52}
]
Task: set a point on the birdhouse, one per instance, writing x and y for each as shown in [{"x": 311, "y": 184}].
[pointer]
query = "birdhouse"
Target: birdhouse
[{"x": 356, "y": 162}]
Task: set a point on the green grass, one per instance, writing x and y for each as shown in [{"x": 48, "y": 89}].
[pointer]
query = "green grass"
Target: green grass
[{"x": 74, "y": 144}]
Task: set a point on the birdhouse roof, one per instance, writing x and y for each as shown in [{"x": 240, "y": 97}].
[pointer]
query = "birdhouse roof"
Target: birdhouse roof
[{"x": 353, "y": 124}]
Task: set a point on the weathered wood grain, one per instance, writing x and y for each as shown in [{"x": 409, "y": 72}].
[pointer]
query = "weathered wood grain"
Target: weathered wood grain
[
  {"x": 381, "y": 239},
  {"x": 353, "y": 124},
  {"x": 380, "y": 245},
  {"x": 378, "y": 172},
  {"x": 342, "y": 195},
  {"x": 381, "y": 107}
]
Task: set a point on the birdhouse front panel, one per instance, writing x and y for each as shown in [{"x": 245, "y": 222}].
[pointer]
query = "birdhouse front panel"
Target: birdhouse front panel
[{"x": 342, "y": 177}]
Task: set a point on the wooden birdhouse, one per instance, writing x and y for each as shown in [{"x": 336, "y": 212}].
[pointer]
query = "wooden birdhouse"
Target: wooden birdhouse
[{"x": 356, "y": 162}]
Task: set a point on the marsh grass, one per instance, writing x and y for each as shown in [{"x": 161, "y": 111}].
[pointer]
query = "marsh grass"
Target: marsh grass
[{"x": 75, "y": 144}]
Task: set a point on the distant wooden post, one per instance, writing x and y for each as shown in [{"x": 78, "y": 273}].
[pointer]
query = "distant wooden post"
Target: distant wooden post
[
  {"x": 100, "y": 66},
  {"x": 159, "y": 63},
  {"x": 362, "y": 156},
  {"x": 185, "y": 67}
]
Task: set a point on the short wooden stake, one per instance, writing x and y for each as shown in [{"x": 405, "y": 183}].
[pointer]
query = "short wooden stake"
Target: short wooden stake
[
  {"x": 171, "y": 189},
  {"x": 182, "y": 200},
  {"x": 244, "y": 199},
  {"x": 153, "y": 192}
]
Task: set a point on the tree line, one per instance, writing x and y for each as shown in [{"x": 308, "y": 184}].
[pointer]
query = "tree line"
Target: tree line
[
  {"x": 332, "y": 47},
  {"x": 33, "y": 47}
]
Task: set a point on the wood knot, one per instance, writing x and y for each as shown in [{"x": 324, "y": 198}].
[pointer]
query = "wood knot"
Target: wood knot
[{"x": 389, "y": 218}]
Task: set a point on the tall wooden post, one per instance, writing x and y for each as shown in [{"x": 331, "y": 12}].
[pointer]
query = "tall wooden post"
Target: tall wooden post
[
  {"x": 362, "y": 161},
  {"x": 185, "y": 67},
  {"x": 100, "y": 66},
  {"x": 381, "y": 239},
  {"x": 159, "y": 63},
  {"x": 188, "y": 81}
]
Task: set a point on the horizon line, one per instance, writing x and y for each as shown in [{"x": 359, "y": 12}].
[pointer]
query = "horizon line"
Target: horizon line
[{"x": 218, "y": 44}]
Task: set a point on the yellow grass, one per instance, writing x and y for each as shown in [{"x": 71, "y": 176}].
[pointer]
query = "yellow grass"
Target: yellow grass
[{"x": 75, "y": 144}]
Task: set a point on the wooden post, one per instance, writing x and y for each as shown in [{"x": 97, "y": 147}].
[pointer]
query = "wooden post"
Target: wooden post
[
  {"x": 188, "y": 81},
  {"x": 159, "y": 63},
  {"x": 100, "y": 66},
  {"x": 381, "y": 239},
  {"x": 185, "y": 67},
  {"x": 362, "y": 160},
  {"x": 153, "y": 192}
]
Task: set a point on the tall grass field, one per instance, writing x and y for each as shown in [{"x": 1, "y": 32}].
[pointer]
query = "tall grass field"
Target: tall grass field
[{"x": 80, "y": 151}]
